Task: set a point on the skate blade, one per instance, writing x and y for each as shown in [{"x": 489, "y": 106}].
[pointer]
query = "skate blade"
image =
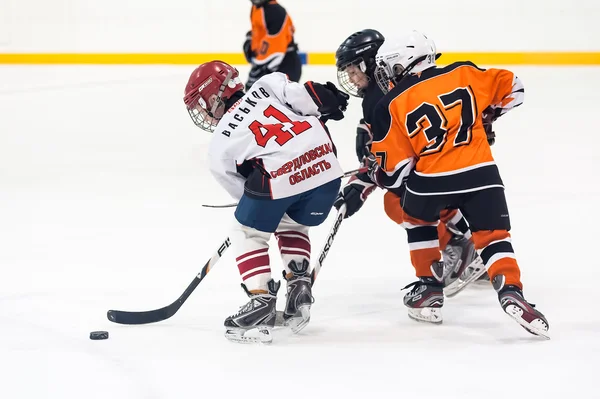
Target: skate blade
[
  {"x": 258, "y": 335},
  {"x": 297, "y": 323},
  {"x": 537, "y": 327},
  {"x": 429, "y": 315},
  {"x": 459, "y": 284}
]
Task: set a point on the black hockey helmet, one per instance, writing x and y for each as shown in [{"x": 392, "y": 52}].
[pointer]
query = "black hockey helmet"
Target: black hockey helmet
[{"x": 359, "y": 49}]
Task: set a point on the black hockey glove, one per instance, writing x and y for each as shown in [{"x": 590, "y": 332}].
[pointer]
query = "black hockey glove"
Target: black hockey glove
[
  {"x": 331, "y": 102},
  {"x": 364, "y": 139},
  {"x": 248, "y": 53},
  {"x": 354, "y": 193}
]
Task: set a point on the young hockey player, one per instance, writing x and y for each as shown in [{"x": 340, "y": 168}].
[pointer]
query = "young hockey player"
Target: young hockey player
[
  {"x": 273, "y": 153},
  {"x": 355, "y": 61},
  {"x": 430, "y": 147},
  {"x": 270, "y": 45}
]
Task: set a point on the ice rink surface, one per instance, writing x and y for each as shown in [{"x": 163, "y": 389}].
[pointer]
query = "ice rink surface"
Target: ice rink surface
[{"x": 102, "y": 177}]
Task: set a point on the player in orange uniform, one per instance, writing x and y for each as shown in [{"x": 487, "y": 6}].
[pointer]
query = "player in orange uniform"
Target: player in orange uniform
[
  {"x": 430, "y": 147},
  {"x": 355, "y": 61},
  {"x": 270, "y": 45}
]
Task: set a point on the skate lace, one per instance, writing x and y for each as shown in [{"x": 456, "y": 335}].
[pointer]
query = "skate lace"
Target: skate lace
[
  {"x": 415, "y": 285},
  {"x": 245, "y": 308},
  {"x": 520, "y": 294},
  {"x": 250, "y": 304}
]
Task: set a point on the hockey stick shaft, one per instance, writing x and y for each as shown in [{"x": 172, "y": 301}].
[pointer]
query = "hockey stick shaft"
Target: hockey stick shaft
[
  {"x": 152, "y": 316},
  {"x": 332, "y": 233},
  {"x": 346, "y": 174}
]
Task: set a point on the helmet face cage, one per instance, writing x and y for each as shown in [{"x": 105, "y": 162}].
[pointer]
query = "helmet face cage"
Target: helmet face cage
[
  {"x": 353, "y": 78},
  {"x": 388, "y": 76},
  {"x": 205, "y": 119}
]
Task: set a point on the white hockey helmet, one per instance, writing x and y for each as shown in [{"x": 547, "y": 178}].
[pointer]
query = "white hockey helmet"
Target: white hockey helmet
[{"x": 399, "y": 56}]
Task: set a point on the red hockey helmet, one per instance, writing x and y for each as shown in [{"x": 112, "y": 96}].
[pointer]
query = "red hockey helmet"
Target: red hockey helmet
[{"x": 207, "y": 90}]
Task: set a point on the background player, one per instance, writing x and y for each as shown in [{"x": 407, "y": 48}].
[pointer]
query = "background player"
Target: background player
[
  {"x": 270, "y": 45},
  {"x": 433, "y": 152},
  {"x": 272, "y": 152}
]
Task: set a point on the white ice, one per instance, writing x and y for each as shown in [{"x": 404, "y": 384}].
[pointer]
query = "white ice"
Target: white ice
[{"x": 102, "y": 177}]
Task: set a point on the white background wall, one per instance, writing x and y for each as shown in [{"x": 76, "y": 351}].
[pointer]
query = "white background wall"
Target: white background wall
[{"x": 220, "y": 25}]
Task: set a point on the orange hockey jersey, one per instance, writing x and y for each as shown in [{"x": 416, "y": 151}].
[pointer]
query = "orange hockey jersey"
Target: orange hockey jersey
[
  {"x": 272, "y": 34},
  {"x": 432, "y": 122}
]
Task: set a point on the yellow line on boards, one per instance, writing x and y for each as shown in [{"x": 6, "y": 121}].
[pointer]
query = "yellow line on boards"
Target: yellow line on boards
[{"x": 484, "y": 58}]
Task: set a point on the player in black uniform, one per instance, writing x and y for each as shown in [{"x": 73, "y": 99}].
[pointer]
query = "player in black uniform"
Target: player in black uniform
[{"x": 355, "y": 62}]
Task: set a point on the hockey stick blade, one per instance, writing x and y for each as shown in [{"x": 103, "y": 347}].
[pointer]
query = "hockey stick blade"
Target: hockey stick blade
[
  {"x": 153, "y": 316},
  {"x": 220, "y": 206}
]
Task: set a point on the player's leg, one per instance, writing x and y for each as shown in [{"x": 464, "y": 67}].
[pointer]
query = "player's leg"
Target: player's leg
[
  {"x": 426, "y": 298},
  {"x": 310, "y": 209},
  {"x": 424, "y": 243},
  {"x": 256, "y": 220},
  {"x": 457, "y": 248},
  {"x": 459, "y": 252},
  {"x": 487, "y": 213},
  {"x": 460, "y": 247}
]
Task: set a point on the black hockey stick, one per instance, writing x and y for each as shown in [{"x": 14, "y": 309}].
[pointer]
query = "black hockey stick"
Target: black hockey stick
[
  {"x": 334, "y": 229},
  {"x": 346, "y": 174},
  {"x": 152, "y": 316}
]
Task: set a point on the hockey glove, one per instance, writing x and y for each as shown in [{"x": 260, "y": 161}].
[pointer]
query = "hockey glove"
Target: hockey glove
[
  {"x": 364, "y": 139},
  {"x": 354, "y": 193},
  {"x": 331, "y": 102},
  {"x": 374, "y": 170},
  {"x": 248, "y": 53}
]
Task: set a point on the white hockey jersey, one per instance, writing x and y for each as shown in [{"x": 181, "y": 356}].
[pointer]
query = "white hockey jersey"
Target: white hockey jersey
[{"x": 274, "y": 138}]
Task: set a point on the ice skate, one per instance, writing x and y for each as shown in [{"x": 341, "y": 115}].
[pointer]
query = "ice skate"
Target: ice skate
[
  {"x": 425, "y": 300},
  {"x": 514, "y": 304},
  {"x": 298, "y": 297},
  {"x": 254, "y": 322},
  {"x": 460, "y": 254}
]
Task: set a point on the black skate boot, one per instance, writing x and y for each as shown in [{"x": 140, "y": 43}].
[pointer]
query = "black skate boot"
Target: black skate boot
[
  {"x": 464, "y": 263},
  {"x": 299, "y": 296},
  {"x": 514, "y": 304},
  {"x": 258, "y": 314},
  {"x": 425, "y": 300}
]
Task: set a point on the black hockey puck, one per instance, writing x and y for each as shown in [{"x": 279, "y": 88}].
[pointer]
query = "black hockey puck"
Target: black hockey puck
[{"x": 96, "y": 335}]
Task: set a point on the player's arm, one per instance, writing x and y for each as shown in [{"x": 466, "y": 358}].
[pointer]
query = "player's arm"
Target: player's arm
[
  {"x": 310, "y": 98},
  {"x": 506, "y": 92},
  {"x": 392, "y": 157},
  {"x": 230, "y": 172}
]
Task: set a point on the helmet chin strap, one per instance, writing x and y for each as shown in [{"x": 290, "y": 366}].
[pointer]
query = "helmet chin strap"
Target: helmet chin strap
[{"x": 220, "y": 93}]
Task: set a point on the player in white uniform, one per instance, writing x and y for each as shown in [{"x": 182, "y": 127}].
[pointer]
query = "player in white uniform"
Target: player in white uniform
[{"x": 273, "y": 153}]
